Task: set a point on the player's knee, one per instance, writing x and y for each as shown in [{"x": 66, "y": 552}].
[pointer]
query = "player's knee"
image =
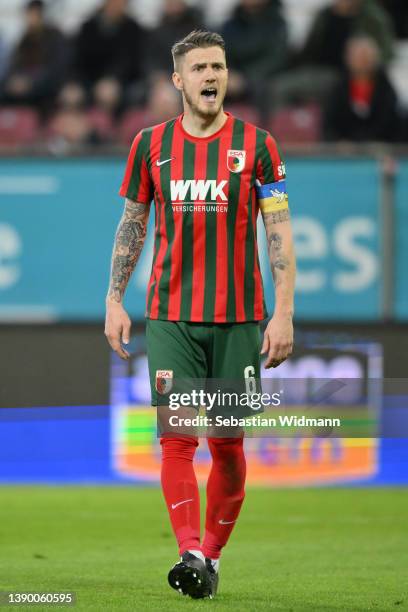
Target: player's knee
[
  {"x": 178, "y": 447},
  {"x": 226, "y": 448},
  {"x": 229, "y": 458},
  {"x": 225, "y": 443}
]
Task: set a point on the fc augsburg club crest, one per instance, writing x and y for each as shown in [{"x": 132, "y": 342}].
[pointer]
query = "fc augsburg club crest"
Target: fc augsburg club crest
[
  {"x": 236, "y": 160},
  {"x": 164, "y": 381}
]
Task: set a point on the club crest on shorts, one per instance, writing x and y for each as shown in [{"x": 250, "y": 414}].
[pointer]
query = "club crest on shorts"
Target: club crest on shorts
[
  {"x": 164, "y": 381},
  {"x": 236, "y": 160}
]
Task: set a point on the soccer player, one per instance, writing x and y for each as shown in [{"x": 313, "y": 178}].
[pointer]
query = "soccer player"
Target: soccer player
[{"x": 208, "y": 174}]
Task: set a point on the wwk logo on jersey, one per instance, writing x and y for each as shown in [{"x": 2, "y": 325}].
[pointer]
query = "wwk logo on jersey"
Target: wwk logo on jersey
[
  {"x": 198, "y": 191},
  {"x": 236, "y": 160},
  {"x": 164, "y": 381}
]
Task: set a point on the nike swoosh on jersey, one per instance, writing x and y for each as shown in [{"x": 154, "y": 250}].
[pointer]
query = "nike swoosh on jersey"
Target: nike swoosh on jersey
[
  {"x": 222, "y": 522},
  {"x": 165, "y": 161},
  {"x": 174, "y": 506}
]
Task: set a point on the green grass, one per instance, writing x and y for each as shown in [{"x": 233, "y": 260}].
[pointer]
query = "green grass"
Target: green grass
[{"x": 293, "y": 550}]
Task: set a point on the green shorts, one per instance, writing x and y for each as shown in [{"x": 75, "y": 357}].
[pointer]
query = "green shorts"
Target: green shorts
[{"x": 179, "y": 350}]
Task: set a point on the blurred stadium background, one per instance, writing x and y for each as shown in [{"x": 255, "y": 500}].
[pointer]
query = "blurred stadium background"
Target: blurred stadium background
[{"x": 330, "y": 80}]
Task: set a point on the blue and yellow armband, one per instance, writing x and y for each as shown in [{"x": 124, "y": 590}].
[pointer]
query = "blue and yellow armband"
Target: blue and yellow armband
[{"x": 272, "y": 197}]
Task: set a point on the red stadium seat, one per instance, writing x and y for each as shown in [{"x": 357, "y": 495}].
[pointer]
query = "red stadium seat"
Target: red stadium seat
[
  {"x": 18, "y": 126},
  {"x": 297, "y": 125}
]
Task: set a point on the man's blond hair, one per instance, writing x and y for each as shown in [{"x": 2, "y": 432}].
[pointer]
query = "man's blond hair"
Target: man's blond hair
[{"x": 198, "y": 39}]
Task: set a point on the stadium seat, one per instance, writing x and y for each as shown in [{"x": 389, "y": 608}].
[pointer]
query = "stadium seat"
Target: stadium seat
[
  {"x": 297, "y": 125},
  {"x": 18, "y": 126}
]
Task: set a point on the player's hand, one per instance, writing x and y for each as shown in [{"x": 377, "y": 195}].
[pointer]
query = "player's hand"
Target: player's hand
[
  {"x": 117, "y": 327},
  {"x": 278, "y": 340}
]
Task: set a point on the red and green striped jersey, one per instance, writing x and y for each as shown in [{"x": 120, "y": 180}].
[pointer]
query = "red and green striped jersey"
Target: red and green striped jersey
[{"x": 205, "y": 262}]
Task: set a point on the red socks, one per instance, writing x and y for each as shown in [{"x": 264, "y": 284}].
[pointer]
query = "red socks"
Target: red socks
[
  {"x": 225, "y": 491},
  {"x": 180, "y": 489}
]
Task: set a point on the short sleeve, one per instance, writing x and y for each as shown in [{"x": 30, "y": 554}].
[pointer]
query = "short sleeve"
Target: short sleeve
[
  {"x": 270, "y": 166},
  {"x": 137, "y": 184},
  {"x": 271, "y": 177}
]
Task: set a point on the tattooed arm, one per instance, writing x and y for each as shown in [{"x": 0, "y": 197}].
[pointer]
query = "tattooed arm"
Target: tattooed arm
[
  {"x": 278, "y": 337},
  {"x": 130, "y": 237}
]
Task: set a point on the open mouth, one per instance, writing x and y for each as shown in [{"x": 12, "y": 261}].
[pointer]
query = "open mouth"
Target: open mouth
[{"x": 210, "y": 94}]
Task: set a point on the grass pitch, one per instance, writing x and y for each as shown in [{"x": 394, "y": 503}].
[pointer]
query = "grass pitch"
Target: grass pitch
[{"x": 292, "y": 550}]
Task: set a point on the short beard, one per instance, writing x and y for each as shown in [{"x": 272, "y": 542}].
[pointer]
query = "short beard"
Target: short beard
[{"x": 203, "y": 115}]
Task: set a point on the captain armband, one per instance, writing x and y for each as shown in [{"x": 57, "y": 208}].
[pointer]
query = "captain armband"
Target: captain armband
[{"x": 272, "y": 197}]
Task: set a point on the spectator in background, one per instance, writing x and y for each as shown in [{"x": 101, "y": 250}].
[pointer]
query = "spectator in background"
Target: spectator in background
[
  {"x": 178, "y": 19},
  {"x": 163, "y": 102},
  {"x": 38, "y": 63},
  {"x": 319, "y": 64},
  {"x": 363, "y": 106},
  {"x": 74, "y": 125},
  {"x": 108, "y": 55},
  {"x": 398, "y": 10},
  {"x": 4, "y": 58},
  {"x": 257, "y": 44},
  {"x": 69, "y": 126},
  {"x": 335, "y": 24}
]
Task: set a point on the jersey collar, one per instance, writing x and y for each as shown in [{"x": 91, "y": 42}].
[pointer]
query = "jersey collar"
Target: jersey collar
[{"x": 204, "y": 138}]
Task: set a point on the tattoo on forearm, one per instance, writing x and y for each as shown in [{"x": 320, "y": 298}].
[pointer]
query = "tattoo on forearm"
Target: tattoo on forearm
[
  {"x": 129, "y": 240},
  {"x": 279, "y": 216},
  {"x": 279, "y": 261}
]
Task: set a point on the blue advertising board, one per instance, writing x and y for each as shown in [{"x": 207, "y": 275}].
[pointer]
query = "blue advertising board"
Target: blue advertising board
[
  {"x": 74, "y": 444},
  {"x": 401, "y": 242},
  {"x": 57, "y": 224},
  {"x": 118, "y": 442},
  {"x": 58, "y": 219},
  {"x": 336, "y": 223}
]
